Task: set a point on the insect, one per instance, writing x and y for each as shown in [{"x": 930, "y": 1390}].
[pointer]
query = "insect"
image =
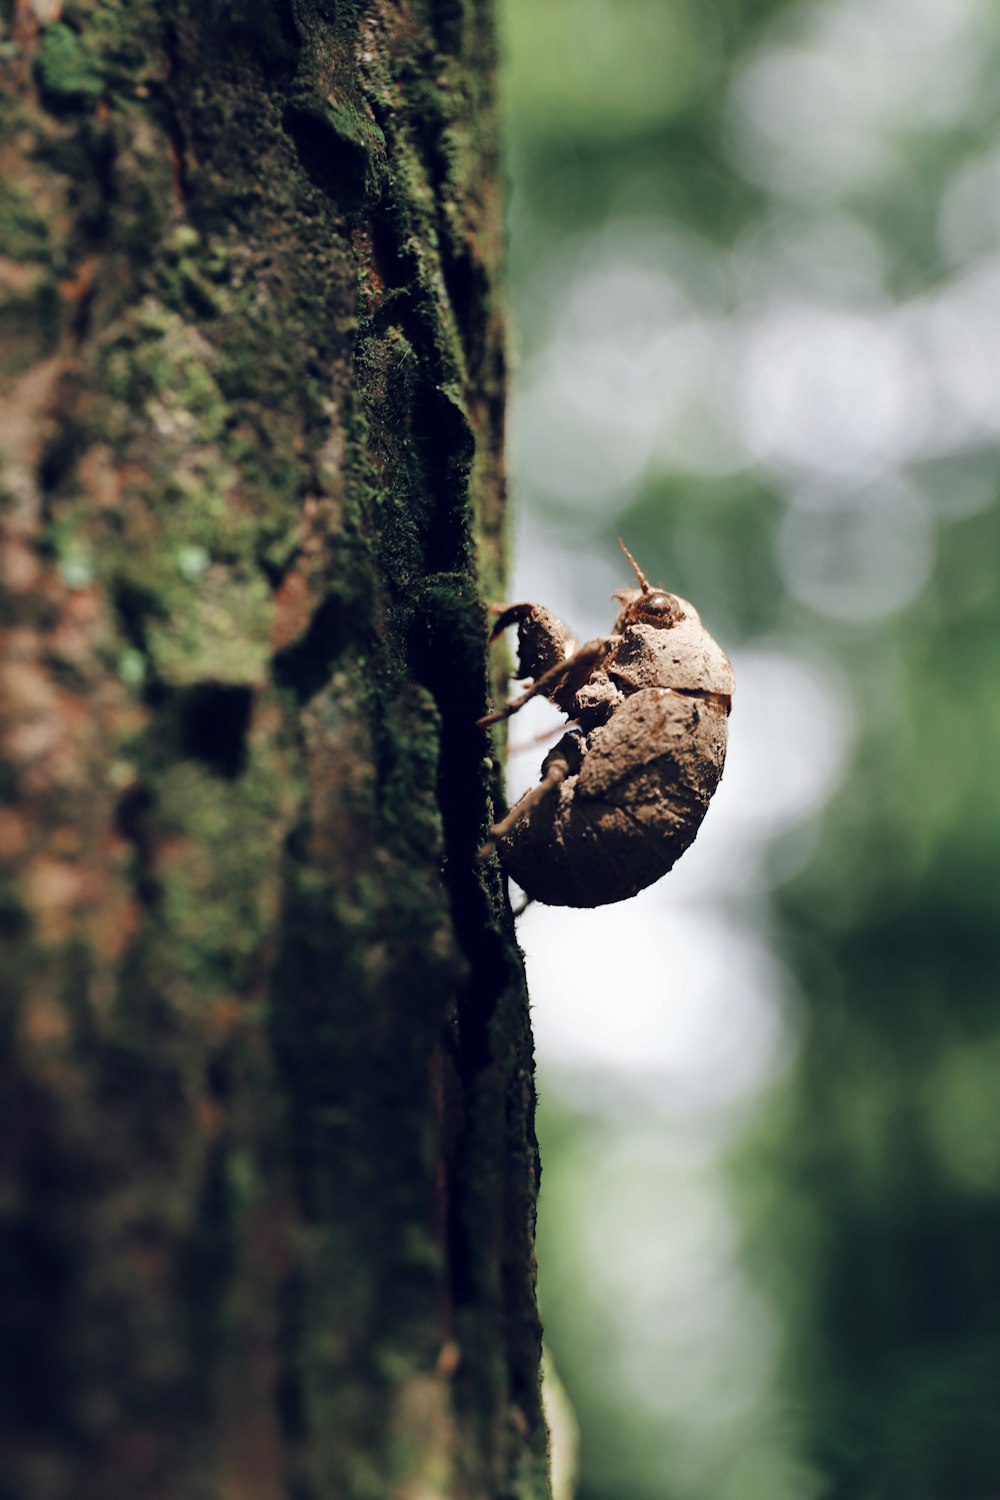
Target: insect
[{"x": 624, "y": 792}]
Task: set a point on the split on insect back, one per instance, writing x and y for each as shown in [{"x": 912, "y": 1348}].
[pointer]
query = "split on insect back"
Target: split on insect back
[{"x": 624, "y": 791}]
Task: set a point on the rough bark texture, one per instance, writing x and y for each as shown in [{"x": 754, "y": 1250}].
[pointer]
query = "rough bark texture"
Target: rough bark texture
[{"x": 268, "y": 1164}]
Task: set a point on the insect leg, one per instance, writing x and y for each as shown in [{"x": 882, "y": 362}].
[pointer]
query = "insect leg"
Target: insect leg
[
  {"x": 580, "y": 664},
  {"x": 542, "y": 638},
  {"x": 509, "y": 614},
  {"x": 557, "y": 768}
]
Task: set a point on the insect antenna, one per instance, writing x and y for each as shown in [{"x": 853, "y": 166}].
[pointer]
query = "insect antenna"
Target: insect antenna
[{"x": 640, "y": 575}]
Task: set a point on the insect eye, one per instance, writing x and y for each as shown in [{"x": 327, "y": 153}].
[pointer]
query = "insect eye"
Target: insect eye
[{"x": 657, "y": 608}]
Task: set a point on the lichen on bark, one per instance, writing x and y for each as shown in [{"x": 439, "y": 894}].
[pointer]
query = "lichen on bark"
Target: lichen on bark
[{"x": 269, "y": 1185}]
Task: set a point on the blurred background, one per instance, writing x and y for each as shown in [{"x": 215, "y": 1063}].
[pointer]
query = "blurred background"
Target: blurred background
[{"x": 755, "y": 262}]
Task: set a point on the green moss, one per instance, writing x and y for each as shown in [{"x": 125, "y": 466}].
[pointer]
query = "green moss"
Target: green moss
[
  {"x": 30, "y": 321},
  {"x": 220, "y": 372},
  {"x": 76, "y": 568},
  {"x": 133, "y": 667},
  {"x": 24, "y": 232},
  {"x": 242, "y": 1181},
  {"x": 217, "y": 631},
  {"x": 221, "y": 887},
  {"x": 261, "y": 23},
  {"x": 411, "y": 816},
  {"x": 165, "y": 366},
  {"x": 66, "y": 68},
  {"x": 355, "y": 128}
]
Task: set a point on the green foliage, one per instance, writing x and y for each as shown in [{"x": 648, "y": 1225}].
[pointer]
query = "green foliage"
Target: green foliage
[{"x": 869, "y": 1186}]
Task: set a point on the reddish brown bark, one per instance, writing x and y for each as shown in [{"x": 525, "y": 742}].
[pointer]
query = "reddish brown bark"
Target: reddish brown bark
[{"x": 269, "y": 1165}]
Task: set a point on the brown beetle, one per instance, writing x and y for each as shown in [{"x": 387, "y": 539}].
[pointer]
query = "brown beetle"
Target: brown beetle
[{"x": 623, "y": 794}]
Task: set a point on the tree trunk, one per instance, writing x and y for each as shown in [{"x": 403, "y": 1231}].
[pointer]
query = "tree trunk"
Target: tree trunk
[{"x": 268, "y": 1163}]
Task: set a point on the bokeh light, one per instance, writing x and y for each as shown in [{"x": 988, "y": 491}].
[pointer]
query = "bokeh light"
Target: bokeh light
[{"x": 755, "y": 259}]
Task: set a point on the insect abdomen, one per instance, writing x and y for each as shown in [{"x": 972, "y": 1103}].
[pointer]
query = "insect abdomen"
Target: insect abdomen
[{"x": 623, "y": 820}]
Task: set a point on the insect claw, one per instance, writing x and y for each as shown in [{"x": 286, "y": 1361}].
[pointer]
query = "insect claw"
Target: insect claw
[{"x": 507, "y": 614}]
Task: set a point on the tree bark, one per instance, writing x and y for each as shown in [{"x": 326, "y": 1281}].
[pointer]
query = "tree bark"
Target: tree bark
[{"x": 268, "y": 1167}]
